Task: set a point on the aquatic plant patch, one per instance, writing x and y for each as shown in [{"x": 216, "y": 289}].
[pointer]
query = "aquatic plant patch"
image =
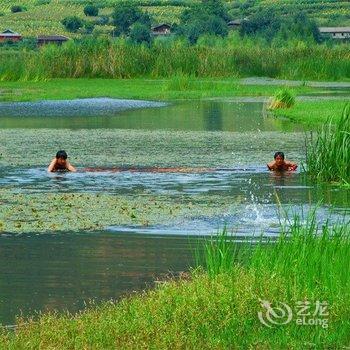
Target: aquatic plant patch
[
  {"x": 110, "y": 148},
  {"x": 72, "y": 212}
]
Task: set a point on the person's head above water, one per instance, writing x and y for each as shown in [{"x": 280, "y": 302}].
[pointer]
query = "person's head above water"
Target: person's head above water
[
  {"x": 61, "y": 154},
  {"x": 279, "y": 158},
  {"x": 279, "y": 154},
  {"x": 60, "y": 163},
  {"x": 280, "y": 163},
  {"x": 61, "y": 157}
]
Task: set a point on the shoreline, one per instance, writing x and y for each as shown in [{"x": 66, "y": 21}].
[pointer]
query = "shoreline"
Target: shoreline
[{"x": 312, "y": 106}]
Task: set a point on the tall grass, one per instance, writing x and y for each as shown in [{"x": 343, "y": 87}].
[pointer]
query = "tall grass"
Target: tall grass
[
  {"x": 314, "y": 257},
  {"x": 106, "y": 58},
  {"x": 283, "y": 98},
  {"x": 308, "y": 254},
  {"x": 328, "y": 152},
  {"x": 219, "y": 254}
]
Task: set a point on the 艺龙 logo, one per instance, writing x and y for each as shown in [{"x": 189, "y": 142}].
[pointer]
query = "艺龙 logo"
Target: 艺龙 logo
[
  {"x": 278, "y": 315},
  {"x": 306, "y": 313}
]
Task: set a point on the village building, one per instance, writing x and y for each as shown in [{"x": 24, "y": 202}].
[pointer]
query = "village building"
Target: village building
[
  {"x": 51, "y": 39},
  {"x": 161, "y": 29},
  {"x": 9, "y": 35},
  {"x": 335, "y": 32},
  {"x": 235, "y": 24}
]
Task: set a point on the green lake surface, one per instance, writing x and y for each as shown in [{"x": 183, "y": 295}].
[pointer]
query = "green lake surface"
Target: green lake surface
[{"x": 152, "y": 178}]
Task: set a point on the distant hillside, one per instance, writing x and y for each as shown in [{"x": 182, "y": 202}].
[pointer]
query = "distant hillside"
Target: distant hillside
[
  {"x": 44, "y": 16},
  {"x": 325, "y": 12}
]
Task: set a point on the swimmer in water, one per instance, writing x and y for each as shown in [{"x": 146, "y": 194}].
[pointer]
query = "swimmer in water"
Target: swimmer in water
[
  {"x": 60, "y": 163},
  {"x": 280, "y": 164}
]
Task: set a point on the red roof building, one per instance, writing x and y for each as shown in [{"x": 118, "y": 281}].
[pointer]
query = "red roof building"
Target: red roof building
[{"x": 9, "y": 35}]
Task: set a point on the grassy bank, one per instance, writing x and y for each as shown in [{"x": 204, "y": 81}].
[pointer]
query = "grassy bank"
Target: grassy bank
[
  {"x": 314, "y": 112},
  {"x": 178, "y": 87},
  {"x": 220, "y": 309}
]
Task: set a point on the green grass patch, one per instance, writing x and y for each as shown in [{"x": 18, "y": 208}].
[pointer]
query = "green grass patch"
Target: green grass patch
[
  {"x": 328, "y": 152},
  {"x": 313, "y": 112},
  {"x": 154, "y": 89}
]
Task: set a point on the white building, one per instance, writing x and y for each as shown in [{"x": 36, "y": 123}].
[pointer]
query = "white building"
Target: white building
[{"x": 335, "y": 32}]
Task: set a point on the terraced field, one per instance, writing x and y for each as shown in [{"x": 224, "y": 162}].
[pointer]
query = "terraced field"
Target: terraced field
[
  {"x": 325, "y": 12},
  {"x": 40, "y": 17},
  {"x": 44, "y": 16}
]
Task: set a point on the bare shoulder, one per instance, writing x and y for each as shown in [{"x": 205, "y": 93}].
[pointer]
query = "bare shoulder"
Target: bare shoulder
[
  {"x": 270, "y": 165},
  {"x": 70, "y": 167},
  {"x": 51, "y": 165}
]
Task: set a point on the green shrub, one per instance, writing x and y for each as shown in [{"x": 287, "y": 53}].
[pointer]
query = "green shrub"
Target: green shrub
[
  {"x": 73, "y": 23},
  {"x": 126, "y": 14},
  {"x": 91, "y": 10},
  {"x": 283, "y": 98},
  {"x": 140, "y": 34},
  {"x": 16, "y": 8}
]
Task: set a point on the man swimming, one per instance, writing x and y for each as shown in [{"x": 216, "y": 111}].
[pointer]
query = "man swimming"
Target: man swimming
[
  {"x": 280, "y": 164},
  {"x": 60, "y": 163}
]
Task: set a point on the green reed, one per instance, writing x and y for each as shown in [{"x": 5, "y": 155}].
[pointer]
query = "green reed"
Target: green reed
[
  {"x": 314, "y": 257},
  {"x": 328, "y": 151},
  {"x": 106, "y": 58},
  {"x": 310, "y": 255},
  {"x": 283, "y": 98},
  {"x": 219, "y": 254}
]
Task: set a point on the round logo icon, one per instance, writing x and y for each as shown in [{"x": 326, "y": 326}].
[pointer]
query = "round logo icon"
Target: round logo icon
[{"x": 280, "y": 314}]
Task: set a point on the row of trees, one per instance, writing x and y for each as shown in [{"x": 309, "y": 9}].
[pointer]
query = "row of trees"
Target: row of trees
[
  {"x": 209, "y": 17},
  {"x": 127, "y": 19}
]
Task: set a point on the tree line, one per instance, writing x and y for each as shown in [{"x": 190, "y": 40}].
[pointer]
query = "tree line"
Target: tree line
[{"x": 208, "y": 17}]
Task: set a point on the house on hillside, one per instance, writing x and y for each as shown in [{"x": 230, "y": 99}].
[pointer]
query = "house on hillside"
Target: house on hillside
[
  {"x": 335, "y": 32},
  {"x": 235, "y": 24},
  {"x": 9, "y": 35},
  {"x": 161, "y": 29},
  {"x": 51, "y": 39}
]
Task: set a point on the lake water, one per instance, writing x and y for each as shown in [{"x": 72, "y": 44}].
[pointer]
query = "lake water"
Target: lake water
[
  {"x": 214, "y": 153},
  {"x": 103, "y": 114}
]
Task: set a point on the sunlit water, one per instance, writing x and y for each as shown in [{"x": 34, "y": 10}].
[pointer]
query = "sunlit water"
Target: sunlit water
[
  {"x": 260, "y": 199},
  {"x": 102, "y": 114},
  {"x": 63, "y": 271}
]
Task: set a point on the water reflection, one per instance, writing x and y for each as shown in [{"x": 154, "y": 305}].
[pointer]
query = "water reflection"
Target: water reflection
[
  {"x": 213, "y": 116},
  {"x": 190, "y": 115},
  {"x": 47, "y": 272}
]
